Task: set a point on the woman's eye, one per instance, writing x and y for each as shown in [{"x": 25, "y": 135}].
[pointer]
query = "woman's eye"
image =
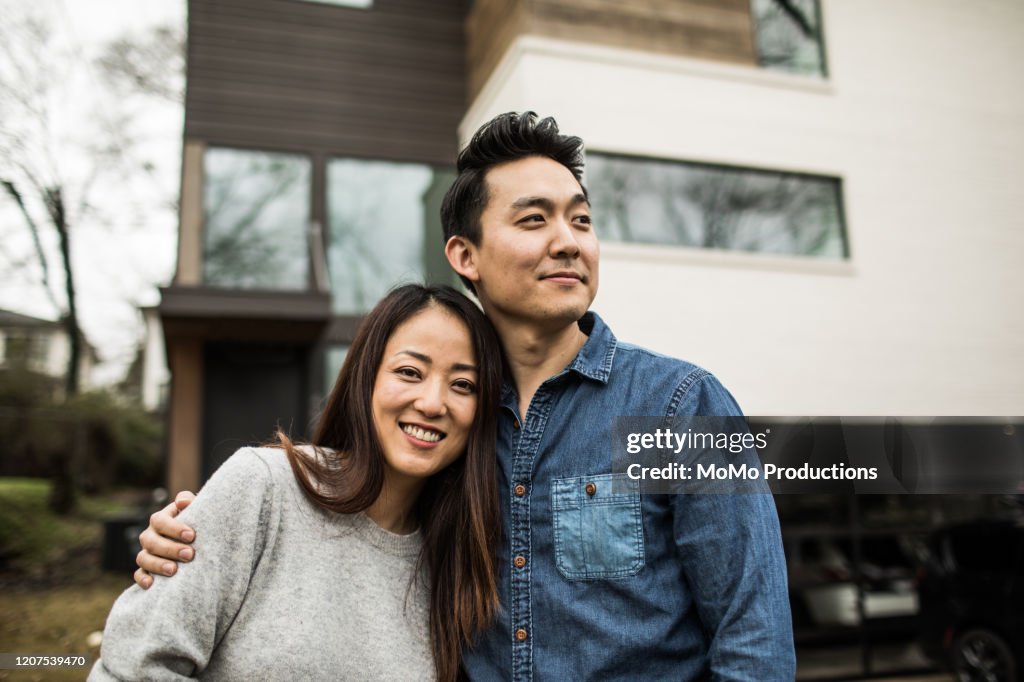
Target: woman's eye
[
  {"x": 407, "y": 372},
  {"x": 465, "y": 386}
]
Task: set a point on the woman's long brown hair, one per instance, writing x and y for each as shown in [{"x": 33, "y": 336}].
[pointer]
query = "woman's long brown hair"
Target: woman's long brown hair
[{"x": 458, "y": 509}]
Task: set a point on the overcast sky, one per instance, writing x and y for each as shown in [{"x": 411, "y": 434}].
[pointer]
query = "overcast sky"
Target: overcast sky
[{"x": 126, "y": 247}]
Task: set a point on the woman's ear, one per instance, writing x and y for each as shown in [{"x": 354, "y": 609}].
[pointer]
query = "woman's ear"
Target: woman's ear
[{"x": 461, "y": 254}]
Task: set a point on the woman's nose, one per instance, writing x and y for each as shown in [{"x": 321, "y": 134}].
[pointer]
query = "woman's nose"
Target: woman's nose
[{"x": 431, "y": 400}]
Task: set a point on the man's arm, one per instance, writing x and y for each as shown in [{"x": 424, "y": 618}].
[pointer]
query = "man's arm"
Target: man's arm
[
  {"x": 163, "y": 542},
  {"x": 731, "y": 548}
]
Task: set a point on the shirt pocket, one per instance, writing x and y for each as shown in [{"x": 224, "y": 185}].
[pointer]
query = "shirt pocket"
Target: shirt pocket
[{"x": 599, "y": 530}]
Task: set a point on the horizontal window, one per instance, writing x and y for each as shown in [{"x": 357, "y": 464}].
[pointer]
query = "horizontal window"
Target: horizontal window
[
  {"x": 788, "y": 35},
  {"x": 361, "y": 4},
  {"x": 256, "y": 208},
  {"x": 698, "y": 205}
]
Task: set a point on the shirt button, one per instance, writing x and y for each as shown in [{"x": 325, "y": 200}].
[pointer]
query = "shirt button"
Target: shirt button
[
  {"x": 515, "y": 425},
  {"x": 521, "y": 635},
  {"x": 519, "y": 561},
  {"x": 519, "y": 490},
  {"x": 590, "y": 488}
]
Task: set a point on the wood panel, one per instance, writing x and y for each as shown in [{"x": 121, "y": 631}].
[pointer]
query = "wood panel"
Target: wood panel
[
  {"x": 720, "y": 30},
  {"x": 385, "y": 82}
]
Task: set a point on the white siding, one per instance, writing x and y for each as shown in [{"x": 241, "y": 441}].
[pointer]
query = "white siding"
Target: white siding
[{"x": 923, "y": 119}]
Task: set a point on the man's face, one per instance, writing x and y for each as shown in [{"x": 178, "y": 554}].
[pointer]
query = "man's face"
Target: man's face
[{"x": 537, "y": 260}]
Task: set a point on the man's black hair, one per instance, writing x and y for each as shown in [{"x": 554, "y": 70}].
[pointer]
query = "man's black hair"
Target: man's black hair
[{"x": 507, "y": 137}]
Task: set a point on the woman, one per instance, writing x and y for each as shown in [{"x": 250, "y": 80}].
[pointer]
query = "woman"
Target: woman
[{"x": 306, "y": 563}]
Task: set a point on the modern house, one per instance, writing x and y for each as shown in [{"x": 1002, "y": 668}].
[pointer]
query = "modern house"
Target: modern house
[{"x": 816, "y": 199}]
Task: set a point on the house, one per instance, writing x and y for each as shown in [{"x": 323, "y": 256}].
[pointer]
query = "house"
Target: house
[
  {"x": 813, "y": 198},
  {"x": 42, "y": 346}
]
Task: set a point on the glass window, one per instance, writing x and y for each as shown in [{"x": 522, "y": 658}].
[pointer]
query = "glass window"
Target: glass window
[
  {"x": 383, "y": 228},
  {"x": 687, "y": 204},
  {"x": 39, "y": 349},
  {"x": 362, "y": 4},
  {"x": 256, "y": 208},
  {"x": 788, "y": 35},
  {"x": 334, "y": 357}
]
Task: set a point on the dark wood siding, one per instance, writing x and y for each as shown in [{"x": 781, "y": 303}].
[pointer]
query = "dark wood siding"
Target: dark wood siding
[{"x": 384, "y": 82}]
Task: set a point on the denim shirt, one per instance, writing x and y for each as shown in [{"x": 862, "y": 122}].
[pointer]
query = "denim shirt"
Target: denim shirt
[{"x": 604, "y": 585}]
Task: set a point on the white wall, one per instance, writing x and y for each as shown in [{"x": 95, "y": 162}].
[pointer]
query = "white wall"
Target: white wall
[
  {"x": 922, "y": 117},
  {"x": 156, "y": 376}
]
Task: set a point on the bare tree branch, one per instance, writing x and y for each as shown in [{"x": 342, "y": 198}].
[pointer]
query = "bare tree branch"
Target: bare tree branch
[
  {"x": 797, "y": 15},
  {"x": 34, "y": 229}
]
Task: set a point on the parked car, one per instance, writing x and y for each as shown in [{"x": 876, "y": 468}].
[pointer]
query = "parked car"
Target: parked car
[
  {"x": 971, "y": 592},
  {"x": 823, "y": 585}
]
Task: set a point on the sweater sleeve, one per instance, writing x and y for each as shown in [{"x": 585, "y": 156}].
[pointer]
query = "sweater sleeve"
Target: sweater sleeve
[{"x": 169, "y": 631}]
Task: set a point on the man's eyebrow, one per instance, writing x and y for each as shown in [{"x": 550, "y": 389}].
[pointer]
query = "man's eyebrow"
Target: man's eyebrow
[
  {"x": 529, "y": 202},
  {"x": 546, "y": 203},
  {"x": 460, "y": 366},
  {"x": 580, "y": 198}
]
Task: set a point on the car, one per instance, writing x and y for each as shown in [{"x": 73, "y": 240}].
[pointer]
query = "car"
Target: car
[
  {"x": 971, "y": 593},
  {"x": 823, "y": 581}
]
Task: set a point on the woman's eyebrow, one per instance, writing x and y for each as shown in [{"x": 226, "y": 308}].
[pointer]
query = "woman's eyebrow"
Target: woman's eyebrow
[
  {"x": 461, "y": 366},
  {"x": 419, "y": 356}
]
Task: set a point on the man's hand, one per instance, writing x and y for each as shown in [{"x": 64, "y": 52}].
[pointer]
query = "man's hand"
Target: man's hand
[{"x": 158, "y": 542}]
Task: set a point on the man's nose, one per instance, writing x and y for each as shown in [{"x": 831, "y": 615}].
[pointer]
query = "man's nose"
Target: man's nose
[{"x": 564, "y": 242}]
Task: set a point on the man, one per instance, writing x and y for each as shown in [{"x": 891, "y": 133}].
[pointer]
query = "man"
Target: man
[{"x": 596, "y": 582}]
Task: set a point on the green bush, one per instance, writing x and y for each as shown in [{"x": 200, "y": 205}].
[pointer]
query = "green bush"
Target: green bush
[{"x": 93, "y": 439}]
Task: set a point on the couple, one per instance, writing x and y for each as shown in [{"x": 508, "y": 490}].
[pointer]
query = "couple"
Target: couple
[{"x": 579, "y": 581}]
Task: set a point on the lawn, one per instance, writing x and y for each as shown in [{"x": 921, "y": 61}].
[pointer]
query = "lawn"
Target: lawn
[
  {"x": 56, "y": 620},
  {"x": 53, "y": 594}
]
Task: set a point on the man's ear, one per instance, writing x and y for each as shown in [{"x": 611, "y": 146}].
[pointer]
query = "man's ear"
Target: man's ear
[{"x": 461, "y": 254}]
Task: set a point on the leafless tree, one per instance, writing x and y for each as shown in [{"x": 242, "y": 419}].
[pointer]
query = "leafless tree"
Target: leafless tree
[{"x": 54, "y": 150}]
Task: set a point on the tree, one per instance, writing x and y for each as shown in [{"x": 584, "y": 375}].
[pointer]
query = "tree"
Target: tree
[{"x": 59, "y": 140}]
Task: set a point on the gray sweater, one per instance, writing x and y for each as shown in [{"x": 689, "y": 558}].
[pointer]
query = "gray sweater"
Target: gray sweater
[{"x": 279, "y": 589}]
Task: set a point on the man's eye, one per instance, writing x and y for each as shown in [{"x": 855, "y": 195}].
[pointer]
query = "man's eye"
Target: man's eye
[
  {"x": 585, "y": 219},
  {"x": 536, "y": 218}
]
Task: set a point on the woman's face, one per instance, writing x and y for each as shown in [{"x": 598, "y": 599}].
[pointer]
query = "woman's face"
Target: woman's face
[{"x": 424, "y": 398}]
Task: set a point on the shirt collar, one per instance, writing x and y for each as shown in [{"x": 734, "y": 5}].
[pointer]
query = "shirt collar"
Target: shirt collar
[{"x": 594, "y": 360}]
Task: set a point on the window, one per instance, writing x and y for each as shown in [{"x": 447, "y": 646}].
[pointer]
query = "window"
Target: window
[
  {"x": 788, "y": 35},
  {"x": 39, "y": 350},
  {"x": 381, "y": 218},
  {"x": 361, "y": 4},
  {"x": 334, "y": 358},
  {"x": 688, "y": 204},
  {"x": 256, "y": 208}
]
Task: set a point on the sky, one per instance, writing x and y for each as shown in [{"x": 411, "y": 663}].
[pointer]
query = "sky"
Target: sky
[{"x": 123, "y": 246}]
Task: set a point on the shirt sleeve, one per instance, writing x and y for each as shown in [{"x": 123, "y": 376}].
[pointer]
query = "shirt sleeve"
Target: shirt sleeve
[
  {"x": 731, "y": 549},
  {"x": 169, "y": 631}
]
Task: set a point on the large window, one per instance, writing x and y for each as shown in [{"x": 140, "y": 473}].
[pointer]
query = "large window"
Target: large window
[
  {"x": 334, "y": 358},
  {"x": 383, "y": 228},
  {"x": 686, "y": 204},
  {"x": 361, "y": 4},
  {"x": 256, "y": 209},
  {"x": 788, "y": 35}
]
